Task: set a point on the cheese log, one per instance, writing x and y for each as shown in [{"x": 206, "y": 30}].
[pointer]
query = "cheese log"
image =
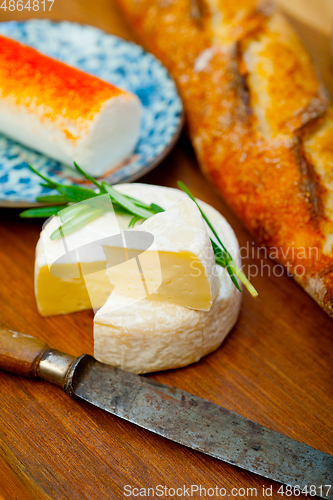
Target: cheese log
[
  {"x": 150, "y": 335},
  {"x": 64, "y": 113},
  {"x": 259, "y": 121},
  {"x": 177, "y": 268}
]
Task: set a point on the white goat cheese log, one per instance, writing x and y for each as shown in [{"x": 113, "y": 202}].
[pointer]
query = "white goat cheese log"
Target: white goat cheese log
[{"x": 65, "y": 113}]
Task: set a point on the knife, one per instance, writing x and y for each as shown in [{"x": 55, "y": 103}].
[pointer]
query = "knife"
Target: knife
[{"x": 173, "y": 414}]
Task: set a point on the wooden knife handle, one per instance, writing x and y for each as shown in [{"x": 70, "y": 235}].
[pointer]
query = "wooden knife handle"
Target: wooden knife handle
[{"x": 20, "y": 353}]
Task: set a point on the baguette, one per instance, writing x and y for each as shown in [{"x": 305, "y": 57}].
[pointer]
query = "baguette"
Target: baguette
[{"x": 259, "y": 120}]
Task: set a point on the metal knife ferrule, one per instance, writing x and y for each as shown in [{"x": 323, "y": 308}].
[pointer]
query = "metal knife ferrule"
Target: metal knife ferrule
[
  {"x": 54, "y": 366},
  {"x": 59, "y": 368}
]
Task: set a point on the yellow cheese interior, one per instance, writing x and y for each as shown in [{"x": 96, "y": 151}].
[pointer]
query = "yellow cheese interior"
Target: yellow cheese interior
[
  {"x": 65, "y": 293},
  {"x": 176, "y": 277}
]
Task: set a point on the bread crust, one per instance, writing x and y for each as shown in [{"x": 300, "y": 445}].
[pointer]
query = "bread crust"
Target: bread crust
[{"x": 259, "y": 121}]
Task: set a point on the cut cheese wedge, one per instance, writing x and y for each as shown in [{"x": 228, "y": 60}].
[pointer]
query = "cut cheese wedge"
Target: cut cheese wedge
[
  {"x": 63, "y": 112},
  {"x": 178, "y": 267}
]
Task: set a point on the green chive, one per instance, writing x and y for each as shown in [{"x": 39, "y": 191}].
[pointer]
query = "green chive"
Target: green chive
[
  {"x": 48, "y": 186},
  {"x": 241, "y": 276},
  {"x": 44, "y": 212},
  {"x": 188, "y": 192},
  {"x": 89, "y": 178},
  {"x": 156, "y": 208},
  {"x": 75, "y": 224},
  {"x": 52, "y": 198},
  {"x": 72, "y": 211},
  {"x": 76, "y": 193},
  {"x": 126, "y": 203},
  {"x": 230, "y": 265},
  {"x": 51, "y": 184},
  {"x": 134, "y": 220}
]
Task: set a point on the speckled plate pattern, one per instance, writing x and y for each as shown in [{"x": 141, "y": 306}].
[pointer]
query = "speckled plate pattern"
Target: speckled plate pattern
[{"x": 115, "y": 60}]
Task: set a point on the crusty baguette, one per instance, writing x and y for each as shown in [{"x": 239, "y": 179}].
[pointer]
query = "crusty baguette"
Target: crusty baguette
[{"x": 259, "y": 121}]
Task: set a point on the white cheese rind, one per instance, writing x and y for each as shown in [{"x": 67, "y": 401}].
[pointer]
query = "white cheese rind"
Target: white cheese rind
[{"x": 149, "y": 336}]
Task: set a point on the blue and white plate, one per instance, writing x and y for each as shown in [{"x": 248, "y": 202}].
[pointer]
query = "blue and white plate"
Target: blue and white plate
[{"x": 122, "y": 63}]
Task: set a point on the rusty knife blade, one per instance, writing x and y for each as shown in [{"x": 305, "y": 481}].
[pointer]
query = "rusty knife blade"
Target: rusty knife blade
[{"x": 202, "y": 425}]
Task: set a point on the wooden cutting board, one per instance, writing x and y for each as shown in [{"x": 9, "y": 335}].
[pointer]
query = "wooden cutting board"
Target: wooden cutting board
[{"x": 275, "y": 367}]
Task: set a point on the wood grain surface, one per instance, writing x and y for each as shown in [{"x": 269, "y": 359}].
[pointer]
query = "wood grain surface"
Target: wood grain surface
[{"x": 275, "y": 367}]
